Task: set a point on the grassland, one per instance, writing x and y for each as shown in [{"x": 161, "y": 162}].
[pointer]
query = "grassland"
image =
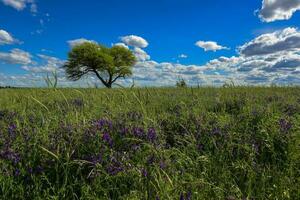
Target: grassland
[{"x": 206, "y": 143}]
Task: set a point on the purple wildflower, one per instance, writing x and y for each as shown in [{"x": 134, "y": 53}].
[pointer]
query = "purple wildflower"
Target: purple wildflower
[
  {"x": 115, "y": 167},
  {"x": 138, "y": 132},
  {"x": 11, "y": 156},
  {"x": 17, "y": 172},
  {"x": 95, "y": 159},
  {"x": 106, "y": 137},
  {"x": 188, "y": 196},
  {"x": 103, "y": 124},
  {"x": 290, "y": 110},
  {"x": 285, "y": 126},
  {"x": 124, "y": 131},
  {"x": 151, "y": 159},
  {"x": 144, "y": 173},
  {"x": 162, "y": 164},
  {"x": 114, "y": 170},
  {"x": 151, "y": 135},
  {"x": 181, "y": 196},
  {"x": 12, "y": 130}
]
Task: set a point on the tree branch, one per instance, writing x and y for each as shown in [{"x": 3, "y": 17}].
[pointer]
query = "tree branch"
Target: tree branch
[
  {"x": 101, "y": 79},
  {"x": 115, "y": 79}
]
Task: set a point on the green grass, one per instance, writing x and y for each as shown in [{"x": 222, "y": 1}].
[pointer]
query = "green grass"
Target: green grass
[{"x": 207, "y": 143}]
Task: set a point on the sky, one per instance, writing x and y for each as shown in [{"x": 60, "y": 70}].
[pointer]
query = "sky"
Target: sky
[{"x": 207, "y": 42}]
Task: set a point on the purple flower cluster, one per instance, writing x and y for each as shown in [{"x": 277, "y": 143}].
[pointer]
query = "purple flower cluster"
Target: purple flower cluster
[
  {"x": 291, "y": 109},
  {"x": 124, "y": 131},
  {"x": 152, "y": 160},
  {"x": 187, "y": 196},
  {"x": 151, "y": 135},
  {"x": 285, "y": 125},
  {"x": 17, "y": 172},
  {"x": 138, "y": 132},
  {"x": 10, "y": 155},
  {"x": 7, "y": 115},
  {"x": 103, "y": 124},
  {"x": 95, "y": 159},
  {"x": 114, "y": 167},
  {"x": 12, "y": 129},
  {"x": 107, "y": 138}
]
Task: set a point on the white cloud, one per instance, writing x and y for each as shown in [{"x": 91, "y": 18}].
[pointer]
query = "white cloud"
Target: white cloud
[
  {"x": 266, "y": 59},
  {"x": 79, "y": 41},
  {"x": 135, "y": 41},
  {"x": 16, "y": 56},
  {"x": 121, "y": 45},
  {"x": 283, "y": 40},
  {"x": 51, "y": 64},
  {"x": 210, "y": 46},
  {"x": 140, "y": 54},
  {"x": 21, "y": 4},
  {"x": 6, "y": 38},
  {"x": 273, "y": 10},
  {"x": 33, "y": 7},
  {"x": 182, "y": 56}
]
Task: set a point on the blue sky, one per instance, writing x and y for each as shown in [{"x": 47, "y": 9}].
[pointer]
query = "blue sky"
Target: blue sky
[{"x": 40, "y": 31}]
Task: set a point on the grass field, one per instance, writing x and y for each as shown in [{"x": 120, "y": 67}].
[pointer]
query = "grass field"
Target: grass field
[{"x": 205, "y": 143}]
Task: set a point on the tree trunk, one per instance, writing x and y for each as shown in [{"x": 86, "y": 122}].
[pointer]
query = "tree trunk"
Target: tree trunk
[{"x": 107, "y": 84}]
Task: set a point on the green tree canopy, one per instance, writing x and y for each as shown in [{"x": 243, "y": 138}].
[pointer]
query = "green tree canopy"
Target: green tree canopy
[{"x": 108, "y": 64}]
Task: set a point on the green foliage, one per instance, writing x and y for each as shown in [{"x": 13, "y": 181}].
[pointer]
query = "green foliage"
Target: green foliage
[
  {"x": 108, "y": 64},
  {"x": 210, "y": 143},
  {"x": 181, "y": 83}
]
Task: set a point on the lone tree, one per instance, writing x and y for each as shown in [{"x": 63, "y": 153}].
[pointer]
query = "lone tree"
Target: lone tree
[
  {"x": 181, "y": 83},
  {"x": 108, "y": 64}
]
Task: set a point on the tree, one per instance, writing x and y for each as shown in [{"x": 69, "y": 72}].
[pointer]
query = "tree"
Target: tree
[
  {"x": 181, "y": 83},
  {"x": 108, "y": 64}
]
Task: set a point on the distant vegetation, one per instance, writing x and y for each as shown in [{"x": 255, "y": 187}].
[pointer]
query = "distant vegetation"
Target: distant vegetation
[
  {"x": 6, "y": 87},
  {"x": 181, "y": 83},
  {"x": 228, "y": 143}
]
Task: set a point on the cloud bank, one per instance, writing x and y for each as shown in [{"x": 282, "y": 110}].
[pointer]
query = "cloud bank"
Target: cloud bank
[
  {"x": 272, "y": 58},
  {"x": 21, "y": 4},
  {"x": 273, "y": 10},
  {"x": 15, "y": 56}
]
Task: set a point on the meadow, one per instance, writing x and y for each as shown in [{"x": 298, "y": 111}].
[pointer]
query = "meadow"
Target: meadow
[{"x": 152, "y": 143}]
